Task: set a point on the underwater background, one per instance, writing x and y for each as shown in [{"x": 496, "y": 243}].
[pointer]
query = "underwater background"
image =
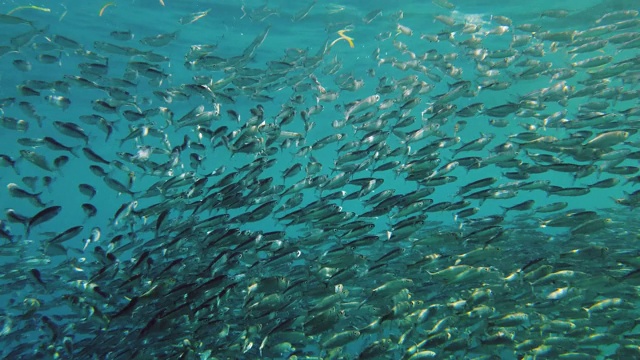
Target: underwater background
[{"x": 374, "y": 180}]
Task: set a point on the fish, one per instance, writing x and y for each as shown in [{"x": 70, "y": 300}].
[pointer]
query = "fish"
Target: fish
[
  {"x": 525, "y": 205},
  {"x": 53, "y": 144},
  {"x": 117, "y": 185},
  {"x": 593, "y": 62},
  {"x": 13, "y": 20},
  {"x": 8, "y": 161},
  {"x": 122, "y": 35},
  {"x": 89, "y": 210},
  {"x": 361, "y": 105},
  {"x": 36, "y": 159},
  {"x": 17, "y": 192},
  {"x": 91, "y": 155},
  {"x": 42, "y": 216},
  {"x": 160, "y": 39},
  {"x": 72, "y": 130},
  {"x": 191, "y": 18},
  {"x": 66, "y": 235},
  {"x": 303, "y": 13},
  {"x": 372, "y": 15}
]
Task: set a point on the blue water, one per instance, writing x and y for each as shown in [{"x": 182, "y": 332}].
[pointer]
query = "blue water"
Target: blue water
[{"x": 231, "y": 27}]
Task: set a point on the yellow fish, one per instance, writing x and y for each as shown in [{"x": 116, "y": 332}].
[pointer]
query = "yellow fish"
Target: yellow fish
[
  {"x": 105, "y": 7},
  {"x": 29, "y": 7},
  {"x": 343, "y": 37}
]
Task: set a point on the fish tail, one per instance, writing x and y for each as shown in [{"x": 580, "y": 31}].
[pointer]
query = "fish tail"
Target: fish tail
[
  {"x": 542, "y": 223},
  {"x": 17, "y": 171},
  {"x": 225, "y": 142},
  {"x": 74, "y": 150}
]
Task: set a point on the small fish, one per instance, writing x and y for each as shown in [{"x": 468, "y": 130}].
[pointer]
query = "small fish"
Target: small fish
[
  {"x": 14, "y": 217},
  {"x": 525, "y": 205},
  {"x": 13, "y": 20},
  {"x": 66, "y": 235},
  {"x": 122, "y": 35},
  {"x": 117, "y": 186},
  {"x": 72, "y": 130},
  {"x": 17, "y": 192},
  {"x": 160, "y": 39},
  {"x": 66, "y": 42},
  {"x": 36, "y": 159},
  {"x": 555, "y": 13},
  {"x": 89, "y": 210},
  {"x": 372, "y": 15},
  {"x": 60, "y": 162},
  {"x": 303, "y": 12},
  {"x": 14, "y": 124},
  {"x": 593, "y": 62},
  {"x": 91, "y": 155},
  {"x": 22, "y": 65},
  {"x": 8, "y": 161},
  {"x": 87, "y": 190},
  {"x": 42, "y": 217},
  {"x": 501, "y": 111},
  {"x": 49, "y": 59},
  {"x": 30, "y": 111},
  {"x": 607, "y": 139},
  {"x": 557, "y": 206},
  {"x": 54, "y": 144},
  {"x": 615, "y": 16},
  {"x": 191, "y": 18}
]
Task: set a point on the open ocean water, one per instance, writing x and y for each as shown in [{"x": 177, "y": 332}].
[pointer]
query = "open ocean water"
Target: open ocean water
[{"x": 319, "y": 180}]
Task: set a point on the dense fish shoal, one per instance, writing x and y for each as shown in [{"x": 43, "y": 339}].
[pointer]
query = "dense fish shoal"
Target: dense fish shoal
[{"x": 320, "y": 182}]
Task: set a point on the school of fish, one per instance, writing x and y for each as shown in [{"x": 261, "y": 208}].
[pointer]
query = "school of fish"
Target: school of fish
[{"x": 445, "y": 195}]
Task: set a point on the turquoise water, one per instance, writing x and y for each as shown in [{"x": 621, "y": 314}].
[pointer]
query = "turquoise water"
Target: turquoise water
[{"x": 176, "y": 257}]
